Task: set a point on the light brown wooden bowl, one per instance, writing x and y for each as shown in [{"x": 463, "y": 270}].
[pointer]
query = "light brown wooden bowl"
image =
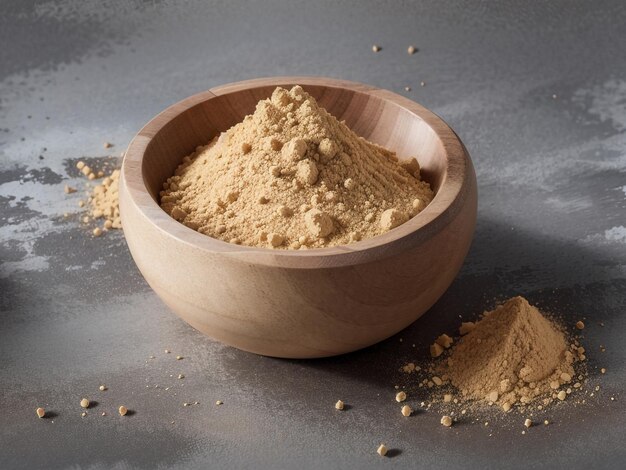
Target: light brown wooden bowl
[{"x": 300, "y": 304}]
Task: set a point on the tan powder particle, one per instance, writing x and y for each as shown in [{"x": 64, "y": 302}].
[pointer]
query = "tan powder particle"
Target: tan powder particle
[
  {"x": 376, "y": 48},
  {"x": 580, "y": 325},
  {"x": 466, "y": 327},
  {"x": 339, "y": 405},
  {"x": 392, "y": 218},
  {"x": 275, "y": 239},
  {"x": 411, "y": 50},
  {"x": 406, "y": 410},
  {"x": 40, "y": 412},
  {"x": 561, "y": 395},
  {"x": 102, "y": 388},
  {"x": 447, "y": 398},
  {"x": 435, "y": 350},
  {"x": 528, "y": 423},
  {"x": 84, "y": 403},
  {"x": 307, "y": 172},
  {"x": 446, "y": 421},
  {"x": 382, "y": 450},
  {"x": 444, "y": 340},
  {"x": 318, "y": 223},
  {"x": 122, "y": 410},
  {"x": 400, "y": 397},
  {"x": 335, "y": 184}
]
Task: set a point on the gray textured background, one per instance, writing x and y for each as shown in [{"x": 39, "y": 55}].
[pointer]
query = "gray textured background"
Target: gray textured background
[{"x": 75, "y": 312}]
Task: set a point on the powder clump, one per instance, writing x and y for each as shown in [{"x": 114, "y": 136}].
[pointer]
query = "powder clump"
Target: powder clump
[
  {"x": 512, "y": 355},
  {"x": 292, "y": 176}
]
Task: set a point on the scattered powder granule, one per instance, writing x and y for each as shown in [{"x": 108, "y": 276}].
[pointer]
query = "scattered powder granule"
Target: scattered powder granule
[
  {"x": 512, "y": 355},
  {"x": 122, "y": 410},
  {"x": 339, "y": 405},
  {"x": 291, "y": 176},
  {"x": 406, "y": 410},
  {"x": 411, "y": 50},
  {"x": 528, "y": 423},
  {"x": 219, "y": 402},
  {"x": 107, "y": 145},
  {"x": 104, "y": 200},
  {"x": 40, "y": 412},
  {"x": 178, "y": 358},
  {"x": 444, "y": 340},
  {"x": 447, "y": 398},
  {"x": 382, "y": 450},
  {"x": 446, "y": 421},
  {"x": 83, "y": 414},
  {"x": 580, "y": 325},
  {"x": 102, "y": 388},
  {"x": 561, "y": 395},
  {"x": 84, "y": 403},
  {"x": 69, "y": 189},
  {"x": 466, "y": 327},
  {"x": 436, "y": 350},
  {"x": 400, "y": 397},
  {"x": 376, "y": 48}
]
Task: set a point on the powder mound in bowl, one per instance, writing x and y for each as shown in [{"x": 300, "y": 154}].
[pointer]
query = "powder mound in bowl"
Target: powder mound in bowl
[
  {"x": 292, "y": 176},
  {"x": 512, "y": 355}
]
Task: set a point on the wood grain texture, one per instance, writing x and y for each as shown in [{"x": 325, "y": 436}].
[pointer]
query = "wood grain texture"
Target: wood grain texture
[{"x": 312, "y": 303}]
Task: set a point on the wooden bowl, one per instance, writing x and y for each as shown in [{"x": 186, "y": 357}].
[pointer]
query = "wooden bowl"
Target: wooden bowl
[{"x": 312, "y": 303}]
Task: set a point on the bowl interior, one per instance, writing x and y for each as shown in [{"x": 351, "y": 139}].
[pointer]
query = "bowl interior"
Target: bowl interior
[{"x": 368, "y": 114}]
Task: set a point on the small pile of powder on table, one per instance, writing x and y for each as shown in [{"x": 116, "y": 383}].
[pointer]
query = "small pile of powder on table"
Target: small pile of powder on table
[
  {"x": 292, "y": 176},
  {"x": 512, "y": 355}
]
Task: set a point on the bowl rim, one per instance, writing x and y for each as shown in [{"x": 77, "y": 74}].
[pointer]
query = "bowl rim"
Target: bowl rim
[{"x": 444, "y": 207}]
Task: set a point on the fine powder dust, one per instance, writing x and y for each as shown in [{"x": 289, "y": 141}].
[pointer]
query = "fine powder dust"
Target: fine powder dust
[
  {"x": 292, "y": 176},
  {"x": 512, "y": 355}
]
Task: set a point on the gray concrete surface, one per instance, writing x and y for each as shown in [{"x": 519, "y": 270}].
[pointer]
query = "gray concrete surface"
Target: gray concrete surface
[{"x": 75, "y": 312}]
